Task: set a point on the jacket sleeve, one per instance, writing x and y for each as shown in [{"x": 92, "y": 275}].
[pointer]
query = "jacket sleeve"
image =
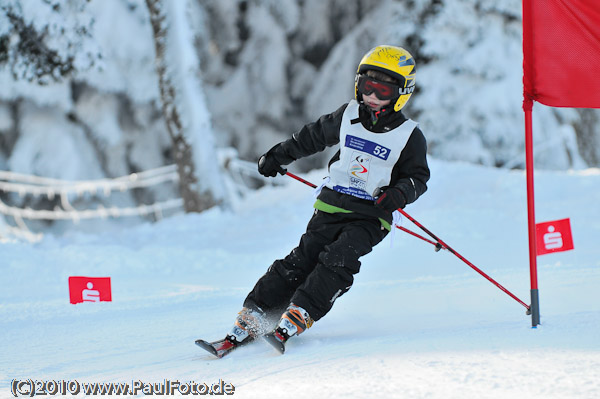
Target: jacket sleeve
[
  {"x": 312, "y": 138},
  {"x": 411, "y": 172}
]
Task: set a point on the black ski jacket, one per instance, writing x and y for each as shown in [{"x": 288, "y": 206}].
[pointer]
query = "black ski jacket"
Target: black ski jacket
[{"x": 410, "y": 174}]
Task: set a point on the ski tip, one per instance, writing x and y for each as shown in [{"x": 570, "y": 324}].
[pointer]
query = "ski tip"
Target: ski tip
[
  {"x": 275, "y": 343},
  {"x": 207, "y": 347}
]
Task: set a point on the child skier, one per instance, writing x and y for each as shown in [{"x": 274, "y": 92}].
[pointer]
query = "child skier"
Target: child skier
[{"x": 380, "y": 166}]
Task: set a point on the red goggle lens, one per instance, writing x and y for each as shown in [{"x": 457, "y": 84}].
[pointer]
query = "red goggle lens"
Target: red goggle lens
[{"x": 383, "y": 90}]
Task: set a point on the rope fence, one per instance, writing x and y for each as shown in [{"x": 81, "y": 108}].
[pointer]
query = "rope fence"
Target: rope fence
[
  {"x": 37, "y": 186},
  {"x": 242, "y": 174}
]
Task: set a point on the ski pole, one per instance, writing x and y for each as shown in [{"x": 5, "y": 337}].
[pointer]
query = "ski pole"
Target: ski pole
[
  {"x": 300, "y": 179},
  {"x": 459, "y": 256},
  {"x": 439, "y": 244}
]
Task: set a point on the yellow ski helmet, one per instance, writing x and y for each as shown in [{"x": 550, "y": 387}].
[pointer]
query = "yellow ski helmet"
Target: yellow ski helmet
[{"x": 395, "y": 62}]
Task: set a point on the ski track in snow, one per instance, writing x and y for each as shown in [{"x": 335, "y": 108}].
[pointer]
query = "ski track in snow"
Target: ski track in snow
[{"x": 416, "y": 324}]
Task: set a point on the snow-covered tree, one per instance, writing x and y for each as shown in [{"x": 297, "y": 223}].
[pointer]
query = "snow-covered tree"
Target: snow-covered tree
[
  {"x": 183, "y": 106},
  {"x": 46, "y": 41},
  {"x": 81, "y": 97},
  {"x": 273, "y": 66},
  {"x": 471, "y": 89},
  {"x": 95, "y": 83}
]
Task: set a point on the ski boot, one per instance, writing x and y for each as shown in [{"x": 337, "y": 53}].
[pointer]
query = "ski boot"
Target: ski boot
[
  {"x": 294, "y": 321},
  {"x": 249, "y": 324}
]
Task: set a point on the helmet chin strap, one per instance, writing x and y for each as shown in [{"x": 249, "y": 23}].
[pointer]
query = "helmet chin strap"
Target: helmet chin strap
[{"x": 374, "y": 115}]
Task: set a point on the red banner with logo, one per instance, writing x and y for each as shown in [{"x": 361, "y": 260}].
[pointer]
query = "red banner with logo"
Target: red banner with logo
[
  {"x": 89, "y": 289},
  {"x": 554, "y": 236},
  {"x": 561, "y": 55},
  {"x": 561, "y": 52}
]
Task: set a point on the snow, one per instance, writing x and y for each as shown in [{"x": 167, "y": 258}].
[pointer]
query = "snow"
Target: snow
[
  {"x": 50, "y": 147},
  {"x": 416, "y": 324},
  {"x": 250, "y": 74},
  {"x": 127, "y": 64}
]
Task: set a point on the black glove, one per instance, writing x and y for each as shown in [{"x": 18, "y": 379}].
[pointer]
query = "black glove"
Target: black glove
[
  {"x": 268, "y": 166},
  {"x": 391, "y": 199}
]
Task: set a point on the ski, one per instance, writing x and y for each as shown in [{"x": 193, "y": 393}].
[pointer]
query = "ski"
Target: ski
[
  {"x": 276, "y": 340},
  {"x": 221, "y": 347},
  {"x": 240, "y": 336}
]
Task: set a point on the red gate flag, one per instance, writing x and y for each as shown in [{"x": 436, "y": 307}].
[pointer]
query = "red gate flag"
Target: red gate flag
[
  {"x": 561, "y": 55},
  {"x": 554, "y": 236},
  {"x": 561, "y": 52},
  {"x": 89, "y": 289}
]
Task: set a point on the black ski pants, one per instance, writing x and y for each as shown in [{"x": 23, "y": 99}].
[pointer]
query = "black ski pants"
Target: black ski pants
[{"x": 321, "y": 268}]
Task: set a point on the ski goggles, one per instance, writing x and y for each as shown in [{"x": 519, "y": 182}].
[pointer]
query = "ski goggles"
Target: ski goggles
[{"x": 383, "y": 90}]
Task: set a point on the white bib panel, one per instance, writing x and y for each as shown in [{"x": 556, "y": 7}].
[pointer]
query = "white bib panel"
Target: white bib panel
[{"x": 366, "y": 158}]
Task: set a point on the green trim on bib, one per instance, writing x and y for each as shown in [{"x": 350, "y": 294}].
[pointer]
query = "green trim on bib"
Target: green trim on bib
[
  {"x": 385, "y": 224},
  {"x": 325, "y": 207}
]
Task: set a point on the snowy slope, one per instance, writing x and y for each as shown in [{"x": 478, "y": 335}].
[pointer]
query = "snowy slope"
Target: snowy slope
[{"x": 416, "y": 324}]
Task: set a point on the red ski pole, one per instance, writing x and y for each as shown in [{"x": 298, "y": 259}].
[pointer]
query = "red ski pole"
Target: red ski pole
[
  {"x": 300, "y": 179},
  {"x": 439, "y": 245},
  {"x": 459, "y": 256}
]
